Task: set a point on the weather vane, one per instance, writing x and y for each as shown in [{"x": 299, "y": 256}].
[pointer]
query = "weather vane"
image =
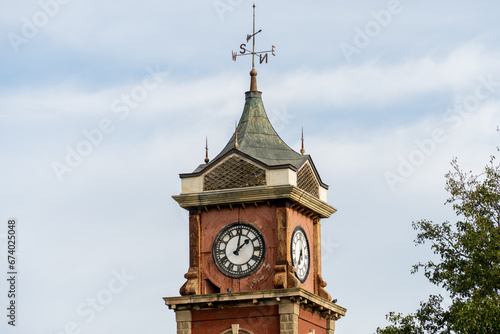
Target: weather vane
[{"x": 263, "y": 55}]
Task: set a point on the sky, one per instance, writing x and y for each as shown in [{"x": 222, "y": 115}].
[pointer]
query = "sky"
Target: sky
[{"x": 104, "y": 103}]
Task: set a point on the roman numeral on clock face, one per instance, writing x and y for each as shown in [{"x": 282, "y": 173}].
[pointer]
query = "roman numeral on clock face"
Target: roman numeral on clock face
[{"x": 238, "y": 250}]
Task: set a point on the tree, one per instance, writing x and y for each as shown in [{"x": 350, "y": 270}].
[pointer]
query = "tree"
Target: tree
[{"x": 469, "y": 260}]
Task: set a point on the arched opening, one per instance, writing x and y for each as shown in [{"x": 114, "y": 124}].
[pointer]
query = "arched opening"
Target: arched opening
[{"x": 236, "y": 330}]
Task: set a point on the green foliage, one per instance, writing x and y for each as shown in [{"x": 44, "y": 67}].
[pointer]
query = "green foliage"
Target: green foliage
[
  {"x": 469, "y": 260},
  {"x": 430, "y": 318}
]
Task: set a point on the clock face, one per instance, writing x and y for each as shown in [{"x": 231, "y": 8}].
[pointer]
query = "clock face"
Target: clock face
[
  {"x": 238, "y": 250},
  {"x": 300, "y": 253}
]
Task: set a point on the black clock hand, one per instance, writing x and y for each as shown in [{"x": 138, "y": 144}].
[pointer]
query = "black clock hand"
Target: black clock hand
[
  {"x": 236, "y": 252},
  {"x": 238, "y": 246},
  {"x": 300, "y": 258}
]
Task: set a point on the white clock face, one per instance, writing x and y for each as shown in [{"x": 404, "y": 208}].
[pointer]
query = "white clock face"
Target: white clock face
[
  {"x": 300, "y": 253},
  {"x": 238, "y": 250}
]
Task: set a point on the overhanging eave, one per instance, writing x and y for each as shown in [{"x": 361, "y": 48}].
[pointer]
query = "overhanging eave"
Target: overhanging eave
[{"x": 255, "y": 194}]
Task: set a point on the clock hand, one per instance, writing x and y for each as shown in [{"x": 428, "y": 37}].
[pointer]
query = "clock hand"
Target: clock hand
[
  {"x": 238, "y": 246},
  {"x": 300, "y": 258},
  {"x": 236, "y": 252}
]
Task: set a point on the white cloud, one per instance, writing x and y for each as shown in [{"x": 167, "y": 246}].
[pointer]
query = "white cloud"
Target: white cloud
[
  {"x": 382, "y": 84},
  {"x": 354, "y": 87}
]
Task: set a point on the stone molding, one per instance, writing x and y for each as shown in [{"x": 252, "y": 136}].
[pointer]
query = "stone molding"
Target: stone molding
[
  {"x": 290, "y": 302},
  {"x": 299, "y": 296},
  {"x": 254, "y": 195}
]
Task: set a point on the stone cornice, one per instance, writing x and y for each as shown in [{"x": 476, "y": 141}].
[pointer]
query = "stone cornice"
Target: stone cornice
[
  {"x": 269, "y": 297},
  {"x": 256, "y": 194}
]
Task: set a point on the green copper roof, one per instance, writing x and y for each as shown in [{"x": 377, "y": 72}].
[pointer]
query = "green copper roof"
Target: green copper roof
[{"x": 258, "y": 139}]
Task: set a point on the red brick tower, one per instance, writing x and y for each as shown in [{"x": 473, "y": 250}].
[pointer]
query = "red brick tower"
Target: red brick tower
[{"x": 255, "y": 237}]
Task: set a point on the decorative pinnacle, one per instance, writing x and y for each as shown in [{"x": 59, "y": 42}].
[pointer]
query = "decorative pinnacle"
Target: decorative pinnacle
[
  {"x": 302, "y": 150},
  {"x": 236, "y": 145},
  {"x": 206, "y": 149},
  {"x": 263, "y": 55}
]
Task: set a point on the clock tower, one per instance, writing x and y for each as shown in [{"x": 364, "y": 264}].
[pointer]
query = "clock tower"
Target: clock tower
[{"x": 255, "y": 215}]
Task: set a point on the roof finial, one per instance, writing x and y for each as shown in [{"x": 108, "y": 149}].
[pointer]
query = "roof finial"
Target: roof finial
[
  {"x": 253, "y": 80},
  {"x": 206, "y": 149},
  {"x": 263, "y": 55},
  {"x": 236, "y": 145},
  {"x": 302, "y": 150}
]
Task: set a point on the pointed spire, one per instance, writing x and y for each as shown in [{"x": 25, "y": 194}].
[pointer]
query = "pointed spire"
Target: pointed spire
[
  {"x": 236, "y": 145},
  {"x": 207, "y": 160},
  {"x": 302, "y": 150},
  {"x": 254, "y": 136}
]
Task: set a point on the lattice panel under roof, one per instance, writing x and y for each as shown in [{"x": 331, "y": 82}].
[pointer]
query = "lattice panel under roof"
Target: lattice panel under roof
[
  {"x": 306, "y": 180},
  {"x": 234, "y": 173}
]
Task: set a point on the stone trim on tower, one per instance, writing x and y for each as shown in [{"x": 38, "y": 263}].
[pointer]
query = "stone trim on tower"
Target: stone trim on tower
[
  {"x": 255, "y": 195},
  {"x": 291, "y": 308},
  {"x": 184, "y": 320},
  {"x": 289, "y": 317}
]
